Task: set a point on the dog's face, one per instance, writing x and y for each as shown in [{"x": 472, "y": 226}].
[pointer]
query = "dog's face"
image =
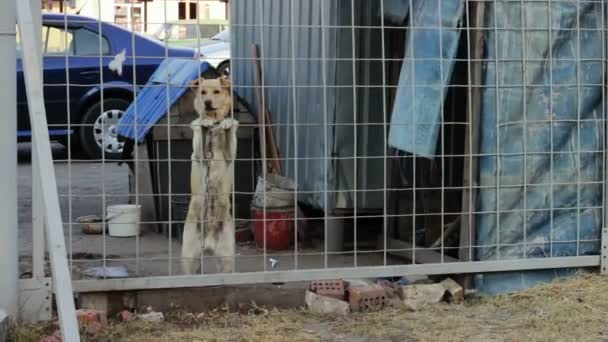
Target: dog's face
[{"x": 212, "y": 97}]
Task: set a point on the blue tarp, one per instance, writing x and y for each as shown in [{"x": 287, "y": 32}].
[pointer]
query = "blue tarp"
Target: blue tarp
[
  {"x": 166, "y": 86},
  {"x": 541, "y": 150},
  {"x": 547, "y": 181},
  {"x": 422, "y": 84}
]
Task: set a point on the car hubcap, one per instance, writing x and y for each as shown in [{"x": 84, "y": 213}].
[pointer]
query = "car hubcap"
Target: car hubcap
[{"x": 105, "y": 131}]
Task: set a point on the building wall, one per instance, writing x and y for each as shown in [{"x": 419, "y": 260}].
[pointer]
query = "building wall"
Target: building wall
[
  {"x": 159, "y": 11},
  {"x": 103, "y": 10},
  {"x": 89, "y": 8}
]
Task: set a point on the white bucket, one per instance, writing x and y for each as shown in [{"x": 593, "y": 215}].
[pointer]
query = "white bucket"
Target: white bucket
[
  {"x": 274, "y": 192},
  {"x": 123, "y": 220}
]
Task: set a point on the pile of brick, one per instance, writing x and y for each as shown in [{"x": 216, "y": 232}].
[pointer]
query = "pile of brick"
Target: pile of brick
[{"x": 345, "y": 296}]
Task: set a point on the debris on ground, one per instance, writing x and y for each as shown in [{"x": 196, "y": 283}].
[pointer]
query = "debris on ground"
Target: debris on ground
[
  {"x": 374, "y": 294},
  {"x": 103, "y": 272},
  {"x": 152, "y": 316},
  {"x": 126, "y": 316},
  {"x": 416, "y": 297},
  {"x": 454, "y": 292},
  {"x": 92, "y": 321},
  {"x": 326, "y": 305}
]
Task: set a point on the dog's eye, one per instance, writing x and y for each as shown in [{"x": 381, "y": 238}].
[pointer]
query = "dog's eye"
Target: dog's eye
[
  {"x": 204, "y": 92},
  {"x": 216, "y": 91}
]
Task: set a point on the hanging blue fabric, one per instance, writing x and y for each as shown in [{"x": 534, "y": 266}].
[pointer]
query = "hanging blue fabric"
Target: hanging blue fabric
[{"x": 432, "y": 44}]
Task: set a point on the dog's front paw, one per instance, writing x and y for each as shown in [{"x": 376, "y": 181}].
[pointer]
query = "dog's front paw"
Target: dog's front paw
[
  {"x": 207, "y": 123},
  {"x": 229, "y": 123}
]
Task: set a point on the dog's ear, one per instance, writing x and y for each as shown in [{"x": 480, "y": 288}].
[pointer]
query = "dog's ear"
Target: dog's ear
[
  {"x": 194, "y": 84},
  {"x": 226, "y": 83}
]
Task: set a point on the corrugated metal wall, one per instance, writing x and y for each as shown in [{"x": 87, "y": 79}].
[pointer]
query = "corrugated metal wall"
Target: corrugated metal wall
[{"x": 295, "y": 37}]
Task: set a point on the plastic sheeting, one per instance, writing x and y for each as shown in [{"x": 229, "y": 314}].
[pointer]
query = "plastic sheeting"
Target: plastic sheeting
[
  {"x": 542, "y": 143},
  {"x": 417, "y": 112}
]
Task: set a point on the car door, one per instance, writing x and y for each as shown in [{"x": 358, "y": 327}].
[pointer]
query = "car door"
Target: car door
[
  {"x": 55, "y": 49},
  {"x": 74, "y": 70},
  {"x": 58, "y": 52},
  {"x": 71, "y": 68}
]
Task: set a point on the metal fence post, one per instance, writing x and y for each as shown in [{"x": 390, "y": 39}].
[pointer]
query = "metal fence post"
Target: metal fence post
[
  {"x": 8, "y": 154},
  {"x": 38, "y": 244}
]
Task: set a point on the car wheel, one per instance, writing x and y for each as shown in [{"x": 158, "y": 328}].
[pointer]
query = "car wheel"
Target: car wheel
[
  {"x": 99, "y": 129},
  {"x": 224, "y": 68}
]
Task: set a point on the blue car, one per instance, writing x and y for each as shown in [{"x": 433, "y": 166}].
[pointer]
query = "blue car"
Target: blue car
[{"x": 84, "y": 97}]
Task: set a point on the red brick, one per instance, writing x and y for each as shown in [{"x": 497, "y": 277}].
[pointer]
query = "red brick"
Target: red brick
[
  {"x": 329, "y": 288},
  {"x": 92, "y": 320},
  {"x": 366, "y": 297},
  {"x": 126, "y": 315}
]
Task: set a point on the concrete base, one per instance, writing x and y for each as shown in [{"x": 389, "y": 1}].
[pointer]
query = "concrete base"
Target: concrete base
[{"x": 197, "y": 299}]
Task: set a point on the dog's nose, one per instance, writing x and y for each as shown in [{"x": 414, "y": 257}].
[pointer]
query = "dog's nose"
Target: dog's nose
[{"x": 208, "y": 103}]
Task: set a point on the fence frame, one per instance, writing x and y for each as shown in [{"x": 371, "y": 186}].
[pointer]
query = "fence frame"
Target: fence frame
[{"x": 34, "y": 292}]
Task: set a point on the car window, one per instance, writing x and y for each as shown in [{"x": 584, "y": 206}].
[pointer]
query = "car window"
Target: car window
[
  {"x": 75, "y": 42},
  {"x": 87, "y": 43},
  {"x": 18, "y": 41},
  {"x": 57, "y": 42},
  {"x": 78, "y": 42}
]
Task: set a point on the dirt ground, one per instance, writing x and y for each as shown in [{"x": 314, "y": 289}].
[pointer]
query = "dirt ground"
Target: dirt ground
[{"x": 568, "y": 310}]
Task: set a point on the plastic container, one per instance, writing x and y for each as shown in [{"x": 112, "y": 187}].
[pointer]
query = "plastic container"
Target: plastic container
[
  {"x": 274, "y": 192},
  {"x": 279, "y": 225},
  {"x": 123, "y": 220}
]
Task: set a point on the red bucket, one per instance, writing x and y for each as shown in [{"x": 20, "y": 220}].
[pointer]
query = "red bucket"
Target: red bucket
[{"x": 279, "y": 223}]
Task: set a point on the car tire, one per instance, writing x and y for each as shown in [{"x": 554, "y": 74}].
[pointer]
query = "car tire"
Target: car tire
[
  {"x": 224, "y": 68},
  {"x": 98, "y": 128}
]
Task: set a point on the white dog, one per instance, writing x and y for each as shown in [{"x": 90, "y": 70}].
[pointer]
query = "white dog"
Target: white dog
[{"x": 209, "y": 226}]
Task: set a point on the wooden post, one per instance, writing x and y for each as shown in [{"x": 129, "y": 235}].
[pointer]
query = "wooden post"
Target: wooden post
[
  {"x": 266, "y": 134},
  {"x": 470, "y": 170}
]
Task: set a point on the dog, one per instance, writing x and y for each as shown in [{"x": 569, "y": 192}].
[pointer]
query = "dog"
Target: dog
[{"x": 209, "y": 225}]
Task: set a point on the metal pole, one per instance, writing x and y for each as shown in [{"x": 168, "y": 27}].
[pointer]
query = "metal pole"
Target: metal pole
[
  {"x": 8, "y": 167},
  {"x": 38, "y": 248}
]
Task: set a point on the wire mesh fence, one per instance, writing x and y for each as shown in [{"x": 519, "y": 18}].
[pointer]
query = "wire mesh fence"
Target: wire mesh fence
[{"x": 375, "y": 137}]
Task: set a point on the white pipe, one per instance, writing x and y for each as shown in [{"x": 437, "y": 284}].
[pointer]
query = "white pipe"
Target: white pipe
[{"x": 8, "y": 168}]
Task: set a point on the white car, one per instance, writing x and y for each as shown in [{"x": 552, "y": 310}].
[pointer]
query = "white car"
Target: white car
[{"x": 216, "y": 51}]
